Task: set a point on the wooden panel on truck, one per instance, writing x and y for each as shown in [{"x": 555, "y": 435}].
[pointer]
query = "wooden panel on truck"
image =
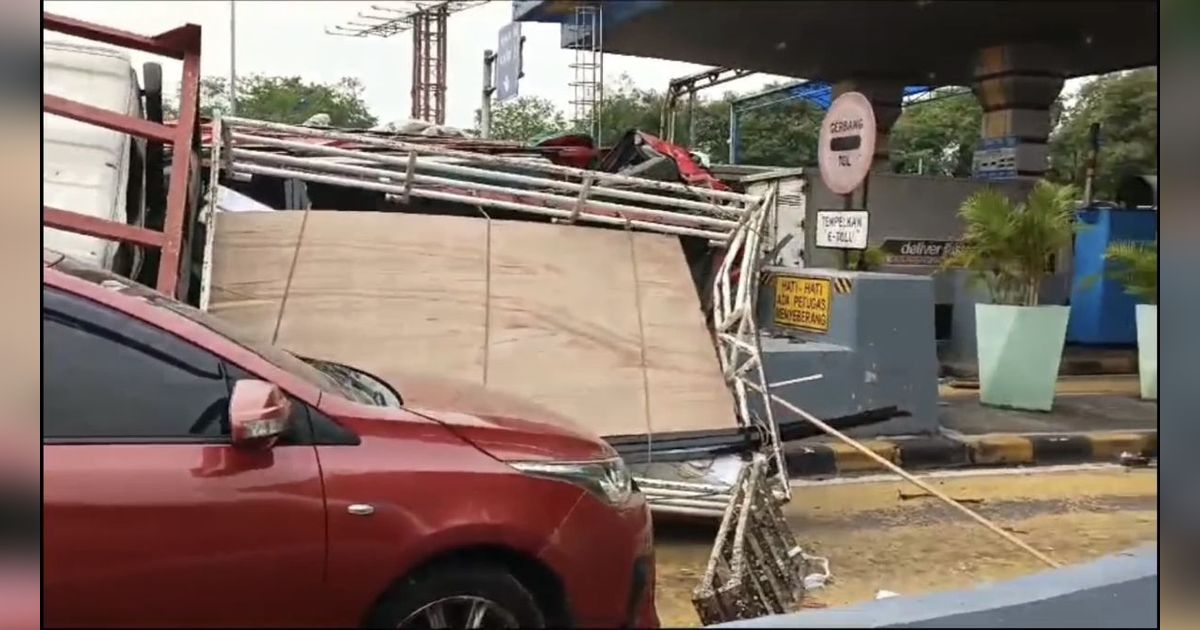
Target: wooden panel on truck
[
  {"x": 602, "y": 326},
  {"x": 564, "y": 323},
  {"x": 388, "y": 293},
  {"x": 250, "y": 261},
  {"x": 682, "y": 374}
]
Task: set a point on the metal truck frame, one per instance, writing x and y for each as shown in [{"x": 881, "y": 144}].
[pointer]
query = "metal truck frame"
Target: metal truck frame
[
  {"x": 734, "y": 222},
  {"x": 755, "y": 567},
  {"x": 183, "y": 187},
  {"x": 731, "y": 221}
]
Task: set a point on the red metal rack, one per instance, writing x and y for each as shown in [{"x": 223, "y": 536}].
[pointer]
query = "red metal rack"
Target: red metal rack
[{"x": 183, "y": 187}]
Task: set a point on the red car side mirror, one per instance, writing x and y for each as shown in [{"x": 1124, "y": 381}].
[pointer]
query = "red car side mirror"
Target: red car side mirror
[{"x": 258, "y": 413}]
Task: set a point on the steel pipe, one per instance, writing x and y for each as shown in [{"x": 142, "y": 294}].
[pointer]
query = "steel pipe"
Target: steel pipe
[
  {"x": 490, "y": 159},
  {"x": 471, "y": 171},
  {"x": 681, "y": 486},
  {"x": 350, "y": 169},
  {"x": 693, "y": 503},
  {"x": 685, "y": 511},
  {"x": 255, "y": 169},
  {"x": 680, "y": 494}
]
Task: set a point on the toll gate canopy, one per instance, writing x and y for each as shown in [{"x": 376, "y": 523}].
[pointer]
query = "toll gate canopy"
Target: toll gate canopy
[{"x": 922, "y": 42}]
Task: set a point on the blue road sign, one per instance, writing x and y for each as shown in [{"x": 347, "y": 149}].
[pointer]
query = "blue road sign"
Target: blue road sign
[{"x": 508, "y": 62}]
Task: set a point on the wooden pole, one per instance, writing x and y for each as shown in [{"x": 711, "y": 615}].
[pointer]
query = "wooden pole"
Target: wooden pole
[{"x": 919, "y": 483}]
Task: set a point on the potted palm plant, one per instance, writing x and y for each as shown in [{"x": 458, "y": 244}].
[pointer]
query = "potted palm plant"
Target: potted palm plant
[
  {"x": 1010, "y": 247},
  {"x": 1135, "y": 266},
  {"x": 869, "y": 259}
]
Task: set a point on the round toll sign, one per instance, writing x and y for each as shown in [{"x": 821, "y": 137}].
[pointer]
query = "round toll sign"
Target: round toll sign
[{"x": 847, "y": 143}]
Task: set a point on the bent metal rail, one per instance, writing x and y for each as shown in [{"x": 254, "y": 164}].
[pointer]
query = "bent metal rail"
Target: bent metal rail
[
  {"x": 181, "y": 43},
  {"x": 732, "y": 221}
]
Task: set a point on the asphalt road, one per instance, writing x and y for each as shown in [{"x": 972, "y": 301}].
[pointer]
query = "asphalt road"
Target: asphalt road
[{"x": 874, "y": 539}]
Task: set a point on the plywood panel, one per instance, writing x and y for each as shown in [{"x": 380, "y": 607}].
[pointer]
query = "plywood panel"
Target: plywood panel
[
  {"x": 602, "y": 326},
  {"x": 390, "y": 293},
  {"x": 564, "y": 323},
  {"x": 686, "y": 390},
  {"x": 251, "y": 255}
]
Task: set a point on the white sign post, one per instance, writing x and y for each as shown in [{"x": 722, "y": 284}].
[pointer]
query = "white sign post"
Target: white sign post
[
  {"x": 847, "y": 143},
  {"x": 842, "y": 229},
  {"x": 845, "y": 151}
]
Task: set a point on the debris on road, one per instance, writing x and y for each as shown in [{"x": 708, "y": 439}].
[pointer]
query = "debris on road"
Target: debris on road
[
  {"x": 1134, "y": 460},
  {"x": 908, "y": 496}
]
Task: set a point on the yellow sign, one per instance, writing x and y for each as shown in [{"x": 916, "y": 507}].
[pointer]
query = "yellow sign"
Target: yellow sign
[{"x": 803, "y": 303}]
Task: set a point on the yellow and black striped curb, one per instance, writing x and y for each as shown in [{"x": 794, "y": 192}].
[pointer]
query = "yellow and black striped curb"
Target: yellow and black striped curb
[
  {"x": 808, "y": 459},
  {"x": 843, "y": 285}
]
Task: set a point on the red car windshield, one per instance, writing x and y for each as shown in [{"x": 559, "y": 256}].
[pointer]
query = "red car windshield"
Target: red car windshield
[{"x": 279, "y": 358}]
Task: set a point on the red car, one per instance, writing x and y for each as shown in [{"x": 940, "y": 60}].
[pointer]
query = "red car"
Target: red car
[{"x": 193, "y": 479}]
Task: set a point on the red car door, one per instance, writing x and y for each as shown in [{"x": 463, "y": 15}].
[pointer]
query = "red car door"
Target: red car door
[{"x": 151, "y": 517}]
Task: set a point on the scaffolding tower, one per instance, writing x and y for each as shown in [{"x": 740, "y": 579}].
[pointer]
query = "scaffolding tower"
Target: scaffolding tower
[
  {"x": 429, "y": 64},
  {"x": 428, "y": 25},
  {"x": 588, "y": 68}
]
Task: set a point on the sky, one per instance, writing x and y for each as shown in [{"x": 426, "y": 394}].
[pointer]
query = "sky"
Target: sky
[{"x": 288, "y": 38}]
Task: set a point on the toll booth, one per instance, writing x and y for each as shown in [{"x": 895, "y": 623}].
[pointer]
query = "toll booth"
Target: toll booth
[
  {"x": 839, "y": 343},
  {"x": 914, "y": 221}
]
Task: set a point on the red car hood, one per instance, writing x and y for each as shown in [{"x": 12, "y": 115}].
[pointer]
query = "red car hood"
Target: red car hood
[{"x": 506, "y": 427}]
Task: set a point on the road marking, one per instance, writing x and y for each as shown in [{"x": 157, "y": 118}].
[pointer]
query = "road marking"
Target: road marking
[{"x": 942, "y": 474}]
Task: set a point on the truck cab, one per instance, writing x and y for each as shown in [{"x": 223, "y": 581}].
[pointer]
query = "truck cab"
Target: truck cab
[{"x": 99, "y": 172}]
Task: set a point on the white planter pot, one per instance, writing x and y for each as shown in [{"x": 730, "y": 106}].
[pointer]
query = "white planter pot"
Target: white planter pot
[
  {"x": 1147, "y": 339},
  {"x": 1019, "y": 349}
]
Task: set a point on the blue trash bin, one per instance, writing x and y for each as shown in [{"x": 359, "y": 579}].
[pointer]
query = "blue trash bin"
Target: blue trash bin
[{"x": 1102, "y": 313}]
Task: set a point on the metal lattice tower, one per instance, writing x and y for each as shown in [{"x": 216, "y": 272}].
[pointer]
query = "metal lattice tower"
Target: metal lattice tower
[
  {"x": 428, "y": 25},
  {"x": 429, "y": 64},
  {"x": 588, "y": 68}
]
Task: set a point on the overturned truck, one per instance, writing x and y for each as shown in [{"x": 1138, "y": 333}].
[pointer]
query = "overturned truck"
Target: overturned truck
[
  {"x": 566, "y": 287},
  {"x": 621, "y": 302}
]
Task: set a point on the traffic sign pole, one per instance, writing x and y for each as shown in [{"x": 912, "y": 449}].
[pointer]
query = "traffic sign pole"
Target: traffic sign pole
[
  {"x": 847, "y": 204},
  {"x": 846, "y": 150},
  {"x": 485, "y": 107},
  {"x": 508, "y": 62}
]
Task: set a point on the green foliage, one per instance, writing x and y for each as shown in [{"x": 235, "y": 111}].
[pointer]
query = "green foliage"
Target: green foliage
[
  {"x": 527, "y": 118},
  {"x": 1125, "y": 104},
  {"x": 869, "y": 259},
  {"x": 780, "y": 135},
  {"x": 626, "y": 107},
  {"x": 290, "y": 100},
  {"x": 1010, "y": 246},
  {"x": 784, "y": 134},
  {"x": 937, "y": 137},
  {"x": 1135, "y": 265}
]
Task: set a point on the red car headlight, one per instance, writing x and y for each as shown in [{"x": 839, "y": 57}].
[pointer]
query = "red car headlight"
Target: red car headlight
[{"x": 607, "y": 479}]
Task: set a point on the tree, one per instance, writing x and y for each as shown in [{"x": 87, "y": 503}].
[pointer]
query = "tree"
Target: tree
[
  {"x": 626, "y": 107},
  {"x": 1135, "y": 266},
  {"x": 527, "y": 118},
  {"x": 1010, "y": 245},
  {"x": 290, "y": 100},
  {"x": 784, "y": 134},
  {"x": 1125, "y": 104},
  {"x": 214, "y": 97},
  {"x": 937, "y": 137},
  {"x": 780, "y": 135}
]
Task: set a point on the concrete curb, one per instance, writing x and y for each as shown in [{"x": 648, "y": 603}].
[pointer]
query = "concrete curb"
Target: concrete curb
[
  {"x": 821, "y": 459},
  {"x": 1069, "y": 366}
]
